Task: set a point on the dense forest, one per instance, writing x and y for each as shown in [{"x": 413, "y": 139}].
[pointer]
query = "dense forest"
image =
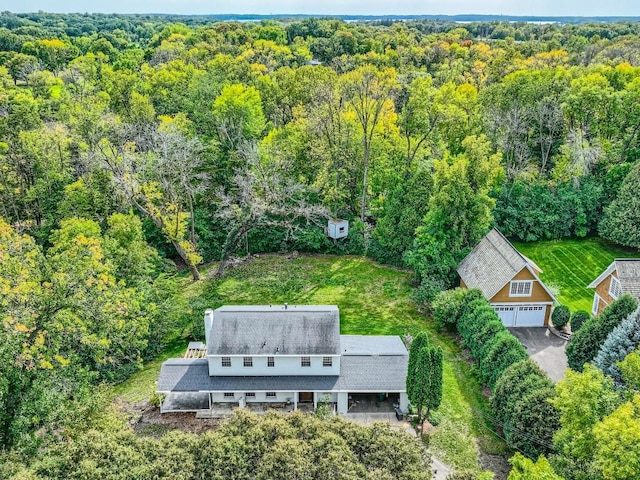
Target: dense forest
[{"x": 130, "y": 145}]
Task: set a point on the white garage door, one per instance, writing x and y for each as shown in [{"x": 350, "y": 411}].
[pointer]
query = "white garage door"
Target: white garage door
[
  {"x": 506, "y": 314},
  {"x": 530, "y": 316}
]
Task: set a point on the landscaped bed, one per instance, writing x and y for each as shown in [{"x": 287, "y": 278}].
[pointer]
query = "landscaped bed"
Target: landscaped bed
[
  {"x": 570, "y": 265},
  {"x": 373, "y": 300}
]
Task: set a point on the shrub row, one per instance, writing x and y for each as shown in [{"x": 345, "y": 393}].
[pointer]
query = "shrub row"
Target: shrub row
[
  {"x": 521, "y": 390},
  {"x": 587, "y": 341},
  {"x": 489, "y": 341}
]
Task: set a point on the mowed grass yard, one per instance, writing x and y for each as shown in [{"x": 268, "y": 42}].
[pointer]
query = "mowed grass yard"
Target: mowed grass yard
[
  {"x": 373, "y": 300},
  {"x": 568, "y": 266}
]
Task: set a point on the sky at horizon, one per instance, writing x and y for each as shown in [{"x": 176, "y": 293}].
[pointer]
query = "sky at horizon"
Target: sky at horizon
[{"x": 336, "y": 7}]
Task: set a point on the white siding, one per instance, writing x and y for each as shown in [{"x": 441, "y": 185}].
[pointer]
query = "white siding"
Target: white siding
[
  {"x": 283, "y": 366},
  {"x": 343, "y": 402}
]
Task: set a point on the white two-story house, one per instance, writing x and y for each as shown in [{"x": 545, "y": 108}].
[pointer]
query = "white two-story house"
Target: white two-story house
[{"x": 286, "y": 355}]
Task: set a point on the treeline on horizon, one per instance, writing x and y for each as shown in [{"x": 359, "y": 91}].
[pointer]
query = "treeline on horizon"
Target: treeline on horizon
[{"x": 284, "y": 17}]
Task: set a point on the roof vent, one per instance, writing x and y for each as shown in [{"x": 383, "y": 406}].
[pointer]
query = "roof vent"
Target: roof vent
[{"x": 286, "y": 305}]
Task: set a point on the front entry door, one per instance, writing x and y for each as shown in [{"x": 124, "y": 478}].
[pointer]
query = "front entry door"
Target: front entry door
[{"x": 305, "y": 397}]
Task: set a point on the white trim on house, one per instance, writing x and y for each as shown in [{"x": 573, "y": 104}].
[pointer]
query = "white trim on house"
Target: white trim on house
[
  {"x": 279, "y": 355},
  {"x": 595, "y": 305},
  {"x": 520, "y": 288},
  {"x": 615, "y": 289},
  {"x": 535, "y": 279},
  {"x": 609, "y": 270},
  {"x": 517, "y": 304},
  {"x": 510, "y": 312}
]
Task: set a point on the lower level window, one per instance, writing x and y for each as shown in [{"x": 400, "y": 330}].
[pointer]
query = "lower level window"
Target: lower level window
[
  {"x": 271, "y": 394},
  {"x": 250, "y": 395},
  {"x": 229, "y": 395},
  {"x": 596, "y": 304}
]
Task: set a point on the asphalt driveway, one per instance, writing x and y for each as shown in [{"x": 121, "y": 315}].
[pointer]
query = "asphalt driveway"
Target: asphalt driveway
[{"x": 545, "y": 349}]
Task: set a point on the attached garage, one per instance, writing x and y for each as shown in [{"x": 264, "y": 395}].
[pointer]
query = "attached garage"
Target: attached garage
[
  {"x": 507, "y": 314},
  {"x": 521, "y": 315}
]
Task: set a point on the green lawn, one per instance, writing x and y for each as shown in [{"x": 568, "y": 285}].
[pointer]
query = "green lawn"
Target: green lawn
[
  {"x": 372, "y": 300},
  {"x": 568, "y": 266}
]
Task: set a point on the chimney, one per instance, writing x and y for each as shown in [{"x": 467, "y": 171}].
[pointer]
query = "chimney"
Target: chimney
[{"x": 208, "y": 324}]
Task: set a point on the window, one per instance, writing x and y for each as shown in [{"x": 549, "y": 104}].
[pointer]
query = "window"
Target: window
[
  {"x": 247, "y": 361},
  {"x": 271, "y": 362},
  {"x": 327, "y": 361},
  {"x": 305, "y": 361},
  {"x": 614, "y": 287},
  {"x": 596, "y": 304},
  {"x": 521, "y": 288},
  {"x": 271, "y": 394},
  {"x": 229, "y": 395},
  {"x": 250, "y": 395},
  {"x": 226, "y": 361}
]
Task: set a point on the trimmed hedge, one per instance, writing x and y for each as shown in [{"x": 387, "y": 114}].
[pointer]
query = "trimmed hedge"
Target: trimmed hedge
[
  {"x": 473, "y": 321},
  {"x": 503, "y": 350},
  {"x": 521, "y": 406},
  {"x": 448, "y": 305},
  {"x": 586, "y": 342},
  {"x": 560, "y": 316},
  {"x": 533, "y": 422},
  {"x": 521, "y": 389},
  {"x": 578, "y": 319},
  {"x": 514, "y": 382}
]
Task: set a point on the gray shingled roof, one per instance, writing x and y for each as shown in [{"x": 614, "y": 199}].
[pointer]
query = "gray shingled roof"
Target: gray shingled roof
[
  {"x": 370, "y": 373},
  {"x": 262, "y": 330},
  {"x": 629, "y": 276},
  {"x": 371, "y": 345},
  {"x": 491, "y": 264}
]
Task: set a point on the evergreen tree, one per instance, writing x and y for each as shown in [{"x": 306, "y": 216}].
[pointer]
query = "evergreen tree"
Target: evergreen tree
[
  {"x": 422, "y": 386},
  {"x": 621, "y": 342},
  {"x": 434, "y": 397},
  {"x": 419, "y": 342},
  {"x": 621, "y": 220},
  {"x": 424, "y": 376}
]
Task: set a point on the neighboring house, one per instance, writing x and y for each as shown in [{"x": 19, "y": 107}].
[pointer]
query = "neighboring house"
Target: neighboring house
[
  {"x": 622, "y": 276},
  {"x": 284, "y": 355},
  {"x": 509, "y": 281}
]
